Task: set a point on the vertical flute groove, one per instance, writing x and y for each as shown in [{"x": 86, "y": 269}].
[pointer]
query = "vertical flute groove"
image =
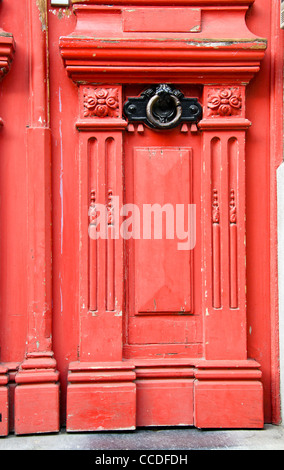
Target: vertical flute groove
[
  {"x": 233, "y": 161},
  {"x": 216, "y": 259},
  {"x": 93, "y": 268},
  {"x": 110, "y": 247}
]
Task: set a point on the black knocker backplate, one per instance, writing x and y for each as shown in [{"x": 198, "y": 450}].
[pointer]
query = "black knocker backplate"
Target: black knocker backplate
[{"x": 162, "y": 107}]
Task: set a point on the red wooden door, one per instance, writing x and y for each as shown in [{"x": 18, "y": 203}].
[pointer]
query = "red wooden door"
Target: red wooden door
[
  {"x": 163, "y": 318},
  {"x": 162, "y": 328},
  {"x": 162, "y": 182},
  {"x": 157, "y": 306}
]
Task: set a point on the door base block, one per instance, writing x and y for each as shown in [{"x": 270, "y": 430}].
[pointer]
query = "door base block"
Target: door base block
[
  {"x": 122, "y": 395},
  {"x": 37, "y": 397},
  {"x": 164, "y": 394},
  {"x": 228, "y": 394},
  {"x": 228, "y": 404},
  {"x": 101, "y": 397},
  {"x": 4, "y": 402}
]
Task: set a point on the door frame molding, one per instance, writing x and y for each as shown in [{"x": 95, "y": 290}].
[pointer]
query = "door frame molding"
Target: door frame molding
[{"x": 108, "y": 59}]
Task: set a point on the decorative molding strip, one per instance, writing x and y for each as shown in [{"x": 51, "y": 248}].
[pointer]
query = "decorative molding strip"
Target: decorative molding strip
[
  {"x": 215, "y": 208},
  {"x": 165, "y": 2},
  {"x": 92, "y": 213},
  {"x": 101, "y": 124},
  {"x": 110, "y": 218},
  {"x": 113, "y": 54},
  {"x": 233, "y": 209},
  {"x": 216, "y": 239},
  {"x": 221, "y": 124}
]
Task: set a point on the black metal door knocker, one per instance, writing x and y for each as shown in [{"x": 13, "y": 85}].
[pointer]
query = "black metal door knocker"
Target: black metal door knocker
[{"x": 162, "y": 107}]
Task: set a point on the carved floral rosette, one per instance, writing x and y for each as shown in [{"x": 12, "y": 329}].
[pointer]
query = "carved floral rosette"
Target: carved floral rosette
[
  {"x": 224, "y": 102},
  {"x": 100, "y": 102}
]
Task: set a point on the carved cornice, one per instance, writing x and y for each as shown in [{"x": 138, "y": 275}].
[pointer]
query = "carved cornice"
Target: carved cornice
[{"x": 189, "y": 45}]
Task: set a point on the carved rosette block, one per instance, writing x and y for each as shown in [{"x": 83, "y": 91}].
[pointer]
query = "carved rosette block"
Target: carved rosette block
[
  {"x": 100, "y": 108},
  {"x": 224, "y": 102},
  {"x": 100, "y": 102}
]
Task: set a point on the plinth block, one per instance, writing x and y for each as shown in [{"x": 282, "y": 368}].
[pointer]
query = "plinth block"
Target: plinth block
[
  {"x": 37, "y": 396},
  {"x": 101, "y": 397},
  {"x": 4, "y": 402},
  {"x": 229, "y": 397},
  {"x": 165, "y": 402},
  {"x": 164, "y": 395},
  {"x": 37, "y": 408}
]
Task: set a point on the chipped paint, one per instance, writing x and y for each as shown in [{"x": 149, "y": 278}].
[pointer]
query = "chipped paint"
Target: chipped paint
[
  {"x": 61, "y": 12},
  {"x": 41, "y": 4},
  {"x": 195, "y": 29},
  {"x": 256, "y": 44},
  {"x": 110, "y": 41}
]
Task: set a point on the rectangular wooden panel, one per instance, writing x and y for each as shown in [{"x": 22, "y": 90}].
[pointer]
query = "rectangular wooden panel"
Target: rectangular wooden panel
[
  {"x": 37, "y": 408},
  {"x": 178, "y": 20},
  {"x": 228, "y": 404},
  {"x": 162, "y": 182},
  {"x": 99, "y": 407},
  {"x": 165, "y": 402},
  {"x": 165, "y": 329}
]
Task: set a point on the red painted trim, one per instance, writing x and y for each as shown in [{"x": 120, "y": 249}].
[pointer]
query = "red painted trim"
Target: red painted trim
[
  {"x": 179, "y": 57},
  {"x": 211, "y": 3},
  {"x": 276, "y": 158}
]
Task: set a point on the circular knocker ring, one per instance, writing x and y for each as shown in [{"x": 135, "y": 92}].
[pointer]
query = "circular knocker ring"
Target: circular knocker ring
[{"x": 164, "y": 110}]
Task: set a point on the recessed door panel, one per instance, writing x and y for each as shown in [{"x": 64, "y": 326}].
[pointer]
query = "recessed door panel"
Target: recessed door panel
[
  {"x": 162, "y": 179},
  {"x": 162, "y": 262}
]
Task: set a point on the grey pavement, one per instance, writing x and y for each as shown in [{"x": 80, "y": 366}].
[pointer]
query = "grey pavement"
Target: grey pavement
[{"x": 171, "y": 439}]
